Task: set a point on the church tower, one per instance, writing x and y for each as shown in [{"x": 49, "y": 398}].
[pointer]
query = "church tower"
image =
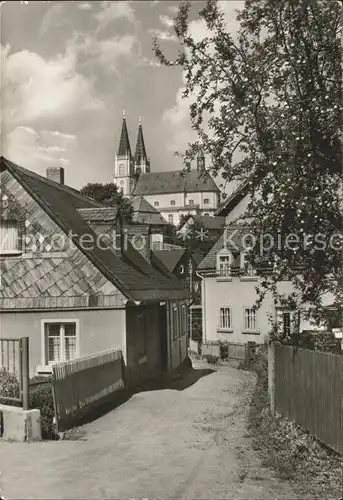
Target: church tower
[
  {"x": 142, "y": 162},
  {"x": 124, "y": 163}
]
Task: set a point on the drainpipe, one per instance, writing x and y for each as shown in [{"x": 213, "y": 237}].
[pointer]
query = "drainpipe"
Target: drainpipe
[{"x": 203, "y": 303}]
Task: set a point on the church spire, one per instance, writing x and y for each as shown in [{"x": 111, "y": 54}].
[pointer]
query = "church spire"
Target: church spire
[
  {"x": 124, "y": 143},
  {"x": 140, "y": 153}
]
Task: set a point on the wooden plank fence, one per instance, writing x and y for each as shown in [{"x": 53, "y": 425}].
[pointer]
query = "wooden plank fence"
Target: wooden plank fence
[
  {"x": 235, "y": 350},
  {"x": 81, "y": 385},
  {"x": 309, "y": 391}
]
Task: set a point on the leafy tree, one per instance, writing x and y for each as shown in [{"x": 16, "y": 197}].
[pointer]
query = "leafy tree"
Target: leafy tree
[
  {"x": 273, "y": 94},
  {"x": 108, "y": 195}
]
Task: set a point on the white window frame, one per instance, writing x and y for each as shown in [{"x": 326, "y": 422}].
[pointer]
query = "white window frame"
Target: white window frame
[
  {"x": 246, "y": 329},
  {"x": 10, "y": 251},
  {"x": 248, "y": 271},
  {"x": 206, "y": 201},
  {"x": 45, "y": 366},
  {"x": 222, "y": 327},
  {"x": 156, "y": 203},
  {"x": 182, "y": 269},
  {"x": 170, "y": 217},
  {"x": 172, "y": 202},
  {"x": 224, "y": 272}
]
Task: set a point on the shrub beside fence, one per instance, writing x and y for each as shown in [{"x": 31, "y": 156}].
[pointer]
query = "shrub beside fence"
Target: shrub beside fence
[
  {"x": 81, "y": 385},
  {"x": 308, "y": 390}
]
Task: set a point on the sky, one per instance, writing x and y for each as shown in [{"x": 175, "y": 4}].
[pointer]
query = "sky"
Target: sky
[{"x": 69, "y": 69}]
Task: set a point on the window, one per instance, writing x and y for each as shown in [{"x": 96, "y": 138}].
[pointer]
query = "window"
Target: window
[
  {"x": 9, "y": 242},
  {"x": 170, "y": 219},
  {"x": 224, "y": 265},
  {"x": 121, "y": 170},
  {"x": 288, "y": 322},
  {"x": 60, "y": 341},
  {"x": 249, "y": 319},
  {"x": 183, "y": 320},
  {"x": 182, "y": 269},
  {"x": 246, "y": 267},
  {"x": 175, "y": 322},
  {"x": 141, "y": 338},
  {"x": 191, "y": 202},
  {"x": 225, "y": 318},
  {"x": 156, "y": 204},
  {"x": 206, "y": 201},
  {"x": 172, "y": 202}
]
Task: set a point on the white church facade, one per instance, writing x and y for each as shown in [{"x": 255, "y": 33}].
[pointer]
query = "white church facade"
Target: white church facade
[{"x": 173, "y": 193}]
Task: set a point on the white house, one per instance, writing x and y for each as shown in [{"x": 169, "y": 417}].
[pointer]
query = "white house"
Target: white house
[{"x": 228, "y": 287}]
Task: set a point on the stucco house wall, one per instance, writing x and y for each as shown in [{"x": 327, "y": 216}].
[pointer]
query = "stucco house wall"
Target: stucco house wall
[
  {"x": 97, "y": 330},
  {"x": 237, "y": 295}
]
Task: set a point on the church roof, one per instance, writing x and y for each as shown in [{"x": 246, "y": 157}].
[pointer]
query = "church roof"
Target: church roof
[
  {"x": 174, "y": 181},
  {"x": 140, "y": 153},
  {"x": 124, "y": 143}
]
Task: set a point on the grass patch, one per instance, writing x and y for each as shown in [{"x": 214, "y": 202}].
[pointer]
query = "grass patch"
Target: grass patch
[{"x": 294, "y": 454}]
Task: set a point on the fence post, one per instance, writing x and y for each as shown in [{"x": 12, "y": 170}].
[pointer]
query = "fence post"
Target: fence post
[
  {"x": 271, "y": 376},
  {"x": 25, "y": 371}
]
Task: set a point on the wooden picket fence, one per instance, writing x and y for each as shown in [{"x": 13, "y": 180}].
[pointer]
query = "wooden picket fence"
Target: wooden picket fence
[
  {"x": 309, "y": 391},
  {"x": 82, "y": 385}
]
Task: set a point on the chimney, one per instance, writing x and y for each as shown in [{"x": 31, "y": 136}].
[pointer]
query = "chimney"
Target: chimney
[{"x": 55, "y": 174}]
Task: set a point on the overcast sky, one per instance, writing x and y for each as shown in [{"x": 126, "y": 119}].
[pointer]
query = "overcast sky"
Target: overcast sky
[{"x": 69, "y": 69}]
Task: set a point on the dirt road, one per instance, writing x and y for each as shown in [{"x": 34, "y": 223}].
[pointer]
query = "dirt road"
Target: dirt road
[{"x": 188, "y": 441}]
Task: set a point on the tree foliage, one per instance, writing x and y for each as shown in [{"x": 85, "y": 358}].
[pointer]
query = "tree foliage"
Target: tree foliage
[
  {"x": 108, "y": 195},
  {"x": 267, "y": 108}
]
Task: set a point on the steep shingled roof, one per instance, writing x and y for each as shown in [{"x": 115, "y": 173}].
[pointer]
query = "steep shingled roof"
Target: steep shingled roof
[
  {"x": 207, "y": 221},
  {"x": 124, "y": 143},
  {"x": 170, "y": 258},
  {"x": 128, "y": 271},
  {"x": 144, "y": 213},
  {"x": 140, "y": 152},
  {"x": 101, "y": 214},
  {"x": 174, "y": 181}
]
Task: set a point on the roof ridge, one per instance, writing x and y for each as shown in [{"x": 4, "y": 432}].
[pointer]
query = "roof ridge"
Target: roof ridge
[{"x": 55, "y": 185}]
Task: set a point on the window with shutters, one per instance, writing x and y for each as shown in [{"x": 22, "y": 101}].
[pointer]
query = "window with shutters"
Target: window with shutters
[
  {"x": 9, "y": 237},
  {"x": 288, "y": 322}
]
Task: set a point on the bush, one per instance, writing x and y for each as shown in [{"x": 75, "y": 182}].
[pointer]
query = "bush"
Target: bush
[
  {"x": 41, "y": 398},
  {"x": 9, "y": 387},
  {"x": 224, "y": 349}
]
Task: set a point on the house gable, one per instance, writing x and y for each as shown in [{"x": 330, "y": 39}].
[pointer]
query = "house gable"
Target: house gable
[{"x": 50, "y": 272}]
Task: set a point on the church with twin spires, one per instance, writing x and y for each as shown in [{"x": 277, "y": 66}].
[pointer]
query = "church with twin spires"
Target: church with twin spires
[{"x": 173, "y": 193}]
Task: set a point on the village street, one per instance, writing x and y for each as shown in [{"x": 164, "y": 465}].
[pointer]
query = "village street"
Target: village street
[{"x": 182, "y": 442}]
